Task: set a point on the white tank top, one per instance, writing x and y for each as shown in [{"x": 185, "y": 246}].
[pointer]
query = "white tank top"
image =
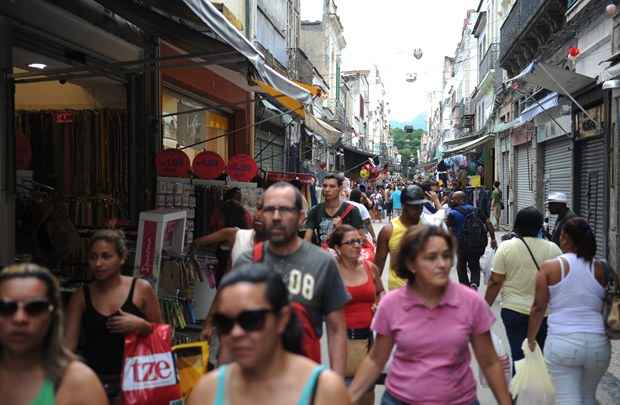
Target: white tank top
[
  {"x": 576, "y": 302},
  {"x": 244, "y": 241}
]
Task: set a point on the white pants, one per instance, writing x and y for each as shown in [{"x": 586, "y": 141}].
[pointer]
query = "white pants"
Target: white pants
[{"x": 577, "y": 363}]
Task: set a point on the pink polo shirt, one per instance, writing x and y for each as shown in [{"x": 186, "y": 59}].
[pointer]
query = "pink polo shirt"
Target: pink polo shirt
[{"x": 431, "y": 360}]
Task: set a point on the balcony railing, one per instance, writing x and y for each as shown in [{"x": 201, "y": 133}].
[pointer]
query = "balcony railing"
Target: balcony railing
[
  {"x": 520, "y": 16},
  {"x": 488, "y": 62}
]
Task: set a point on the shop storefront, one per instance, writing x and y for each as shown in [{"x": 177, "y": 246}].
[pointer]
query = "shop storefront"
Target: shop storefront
[
  {"x": 554, "y": 136},
  {"x": 72, "y": 134},
  {"x": 591, "y": 191},
  {"x": 523, "y": 142}
]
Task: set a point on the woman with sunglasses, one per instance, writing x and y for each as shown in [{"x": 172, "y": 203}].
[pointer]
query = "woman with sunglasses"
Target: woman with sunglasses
[
  {"x": 431, "y": 322},
  {"x": 257, "y": 325},
  {"x": 109, "y": 308},
  {"x": 362, "y": 283},
  {"x": 35, "y": 368}
]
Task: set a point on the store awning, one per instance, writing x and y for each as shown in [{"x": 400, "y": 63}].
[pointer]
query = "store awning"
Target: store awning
[
  {"x": 290, "y": 104},
  {"x": 459, "y": 141},
  {"x": 468, "y": 146},
  {"x": 318, "y": 126},
  {"x": 216, "y": 21},
  {"x": 198, "y": 26},
  {"x": 546, "y": 103},
  {"x": 505, "y": 126},
  {"x": 549, "y": 77}
]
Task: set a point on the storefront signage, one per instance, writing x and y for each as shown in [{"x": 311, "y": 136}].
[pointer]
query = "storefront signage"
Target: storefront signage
[
  {"x": 523, "y": 134},
  {"x": 303, "y": 178},
  {"x": 208, "y": 165},
  {"x": 586, "y": 127},
  {"x": 242, "y": 167},
  {"x": 63, "y": 117},
  {"x": 172, "y": 163}
]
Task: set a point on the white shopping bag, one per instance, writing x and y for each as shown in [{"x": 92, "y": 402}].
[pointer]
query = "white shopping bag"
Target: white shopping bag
[
  {"x": 532, "y": 383},
  {"x": 486, "y": 264}
]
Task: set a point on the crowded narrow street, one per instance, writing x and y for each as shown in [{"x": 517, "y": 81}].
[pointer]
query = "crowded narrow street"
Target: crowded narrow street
[{"x": 310, "y": 202}]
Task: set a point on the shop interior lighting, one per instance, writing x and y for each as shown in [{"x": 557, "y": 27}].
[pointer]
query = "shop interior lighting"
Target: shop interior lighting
[{"x": 37, "y": 65}]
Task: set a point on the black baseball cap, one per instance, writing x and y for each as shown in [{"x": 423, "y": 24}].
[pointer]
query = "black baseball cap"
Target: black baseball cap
[{"x": 413, "y": 195}]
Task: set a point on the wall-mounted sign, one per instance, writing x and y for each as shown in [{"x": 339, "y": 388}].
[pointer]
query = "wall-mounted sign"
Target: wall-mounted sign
[
  {"x": 242, "y": 167},
  {"x": 303, "y": 178},
  {"x": 208, "y": 165},
  {"x": 63, "y": 117},
  {"x": 587, "y": 127},
  {"x": 172, "y": 163}
]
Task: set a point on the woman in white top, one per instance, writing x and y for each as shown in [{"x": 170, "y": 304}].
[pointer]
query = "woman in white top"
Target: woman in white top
[{"x": 577, "y": 351}]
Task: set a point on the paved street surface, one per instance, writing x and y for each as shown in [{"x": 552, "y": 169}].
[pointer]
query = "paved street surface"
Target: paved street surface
[{"x": 609, "y": 388}]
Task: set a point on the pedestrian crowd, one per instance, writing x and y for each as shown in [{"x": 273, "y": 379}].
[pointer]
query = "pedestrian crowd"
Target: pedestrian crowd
[{"x": 299, "y": 269}]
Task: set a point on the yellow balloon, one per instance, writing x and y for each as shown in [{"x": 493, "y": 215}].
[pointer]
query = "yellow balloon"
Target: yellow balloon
[{"x": 364, "y": 173}]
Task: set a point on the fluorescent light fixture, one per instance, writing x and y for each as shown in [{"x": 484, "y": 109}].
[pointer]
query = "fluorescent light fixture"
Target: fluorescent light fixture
[{"x": 37, "y": 65}]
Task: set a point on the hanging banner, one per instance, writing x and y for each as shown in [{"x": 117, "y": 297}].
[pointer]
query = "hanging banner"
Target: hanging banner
[
  {"x": 172, "y": 163},
  {"x": 242, "y": 167},
  {"x": 303, "y": 178},
  {"x": 208, "y": 165}
]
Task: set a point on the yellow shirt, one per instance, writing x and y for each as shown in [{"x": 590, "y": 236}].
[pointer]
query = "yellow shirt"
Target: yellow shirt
[
  {"x": 398, "y": 231},
  {"x": 514, "y": 261}
]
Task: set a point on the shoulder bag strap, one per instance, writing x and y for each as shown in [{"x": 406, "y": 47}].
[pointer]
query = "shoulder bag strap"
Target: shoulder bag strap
[
  {"x": 258, "y": 252},
  {"x": 531, "y": 254},
  {"x": 346, "y": 211}
]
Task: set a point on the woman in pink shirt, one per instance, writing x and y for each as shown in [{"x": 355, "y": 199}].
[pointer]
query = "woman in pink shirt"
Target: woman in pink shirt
[{"x": 431, "y": 321}]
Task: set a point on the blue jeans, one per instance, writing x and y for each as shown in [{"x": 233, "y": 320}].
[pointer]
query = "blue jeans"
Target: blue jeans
[
  {"x": 516, "y": 331},
  {"x": 389, "y": 399},
  {"x": 577, "y": 362}
]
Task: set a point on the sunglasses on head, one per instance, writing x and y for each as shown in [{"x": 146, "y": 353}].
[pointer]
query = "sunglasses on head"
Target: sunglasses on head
[
  {"x": 32, "y": 308},
  {"x": 249, "y": 321}
]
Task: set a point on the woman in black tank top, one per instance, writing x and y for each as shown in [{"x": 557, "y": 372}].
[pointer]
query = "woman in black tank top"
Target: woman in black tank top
[{"x": 112, "y": 306}]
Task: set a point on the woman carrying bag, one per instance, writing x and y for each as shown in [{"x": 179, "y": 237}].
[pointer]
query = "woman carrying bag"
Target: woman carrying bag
[
  {"x": 514, "y": 272},
  {"x": 572, "y": 287},
  {"x": 362, "y": 283},
  {"x": 108, "y": 309}
]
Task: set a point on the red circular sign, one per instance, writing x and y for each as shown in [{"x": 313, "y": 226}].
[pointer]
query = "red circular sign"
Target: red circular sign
[
  {"x": 208, "y": 165},
  {"x": 23, "y": 152},
  {"x": 172, "y": 163},
  {"x": 242, "y": 167}
]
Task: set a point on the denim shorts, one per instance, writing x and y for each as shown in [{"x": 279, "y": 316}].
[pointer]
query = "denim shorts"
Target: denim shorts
[{"x": 389, "y": 399}]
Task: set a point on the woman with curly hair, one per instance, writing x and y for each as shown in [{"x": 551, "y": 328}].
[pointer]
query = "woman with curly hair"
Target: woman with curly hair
[{"x": 35, "y": 367}]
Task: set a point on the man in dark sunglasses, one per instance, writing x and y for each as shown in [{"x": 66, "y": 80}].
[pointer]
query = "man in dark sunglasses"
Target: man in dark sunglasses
[{"x": 312, "y": 277}]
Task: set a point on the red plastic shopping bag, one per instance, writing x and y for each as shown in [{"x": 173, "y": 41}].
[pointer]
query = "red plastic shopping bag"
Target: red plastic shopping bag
[{"x": 149, "y": 372}]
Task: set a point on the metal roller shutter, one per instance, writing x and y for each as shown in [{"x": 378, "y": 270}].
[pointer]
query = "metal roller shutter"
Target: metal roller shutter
[
  {"x": 558, "y": 170},
  {"x": 524, "y": 181},
  {"x": 591, "y": 188}
]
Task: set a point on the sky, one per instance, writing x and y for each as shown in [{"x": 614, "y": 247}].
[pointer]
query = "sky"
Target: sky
[{"x": 385, "y": 33}]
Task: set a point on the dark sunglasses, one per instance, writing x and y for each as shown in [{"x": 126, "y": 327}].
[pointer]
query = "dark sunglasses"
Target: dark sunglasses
[
  {"x": 353, "y": 242},
  {"x": 250, "y": 321},
  {"x": 32, "y": 308}
]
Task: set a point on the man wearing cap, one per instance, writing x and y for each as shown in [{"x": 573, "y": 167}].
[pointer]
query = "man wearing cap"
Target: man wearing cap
[
  {"x": 557, "y": 205},
  {"x": 412, "y": 200}
]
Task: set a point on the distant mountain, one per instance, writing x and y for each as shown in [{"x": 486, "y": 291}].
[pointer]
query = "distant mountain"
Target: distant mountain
[{"x": 419, "y": 122}]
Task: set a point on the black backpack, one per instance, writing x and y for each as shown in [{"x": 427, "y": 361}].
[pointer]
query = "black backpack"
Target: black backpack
[{"x": 474, "y": 238}]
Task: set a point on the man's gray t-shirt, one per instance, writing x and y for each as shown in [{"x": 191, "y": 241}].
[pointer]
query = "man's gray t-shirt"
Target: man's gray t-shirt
[{"x": 312, "y": 278}]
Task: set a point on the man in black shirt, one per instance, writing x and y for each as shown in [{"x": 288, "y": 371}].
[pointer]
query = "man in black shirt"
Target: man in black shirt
[
  {"x": 557, "y": 205},
  {"x": 323, "y": 218}
]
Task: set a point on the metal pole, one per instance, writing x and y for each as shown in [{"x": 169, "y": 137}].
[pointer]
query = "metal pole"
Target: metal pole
[{"x": 7, "y": 146}]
